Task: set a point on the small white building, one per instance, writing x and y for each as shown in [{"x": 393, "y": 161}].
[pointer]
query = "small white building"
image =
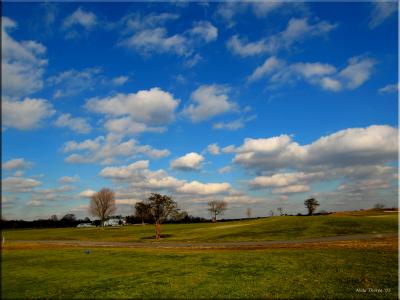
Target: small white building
[
  {"x": 85, "y": 225},
  {"x": 114, "y": 222}
]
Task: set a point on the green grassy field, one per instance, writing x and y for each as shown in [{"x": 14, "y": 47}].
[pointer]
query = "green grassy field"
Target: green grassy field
[
  {"x": 274, "y": 228},
  {"x": 354, "y": 269},
  {"x": 122, "y": 273}
]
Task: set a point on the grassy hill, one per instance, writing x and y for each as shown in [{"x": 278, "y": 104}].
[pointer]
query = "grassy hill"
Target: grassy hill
[
  {"x": 265, "y": 229},
  {"x": 357, "y": 270}
]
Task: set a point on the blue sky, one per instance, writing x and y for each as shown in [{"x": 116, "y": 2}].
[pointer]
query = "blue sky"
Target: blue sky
[{"x": 259, "y": 104}]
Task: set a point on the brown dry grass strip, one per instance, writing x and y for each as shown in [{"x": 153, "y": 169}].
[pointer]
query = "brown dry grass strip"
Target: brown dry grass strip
[{"x": 388, "y": 243}]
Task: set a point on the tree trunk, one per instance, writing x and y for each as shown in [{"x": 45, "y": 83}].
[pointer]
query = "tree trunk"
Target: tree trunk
[
  {"x": 142, "y": 221},
  {"x": 158, "y": 231}
]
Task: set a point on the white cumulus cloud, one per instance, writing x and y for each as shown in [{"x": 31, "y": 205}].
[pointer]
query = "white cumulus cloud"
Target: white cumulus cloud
[
  {"x": 19, "y": 184},
  {"x": 108, "y": 149},
  {"x": 195, "y": 187},
  {"x": 80, "y": 17},
  {"x": 17, "y": 164},
  {"x": 152, "y": 107},
  {"x": 23, "y": 63},
  {"x": 26, "y": 114},
  {"x": 79, "y": 125},
  {"x": 209, "y": 101},
  {"x": 279, "y": 73},
  {"x": 188, "y": 162}
]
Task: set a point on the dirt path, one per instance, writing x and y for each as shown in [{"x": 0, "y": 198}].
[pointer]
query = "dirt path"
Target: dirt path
[{"x": 339, "y": 241}]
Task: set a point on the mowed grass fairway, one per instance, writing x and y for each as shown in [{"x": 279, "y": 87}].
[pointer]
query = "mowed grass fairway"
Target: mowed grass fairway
[{"x": 351, "y": 269}]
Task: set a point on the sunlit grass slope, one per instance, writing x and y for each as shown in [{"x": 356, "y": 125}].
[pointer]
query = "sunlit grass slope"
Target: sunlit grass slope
[{"x": 273, "y": 228}]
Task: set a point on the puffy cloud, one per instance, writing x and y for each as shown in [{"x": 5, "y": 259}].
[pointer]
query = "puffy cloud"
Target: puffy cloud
[
  {"x": 271, "y": 64},
  {"x": 239, "y": 47},
  {"x": 17, "y": 164},
  {"x": 136, "y": 21},
  {"x": 299, "y": 29},
  {"x": 147, "y": 35},
  {"x": 225, "y": 169},
  {"x": 19, "y": 184},
  {"x": 141, "y": 177},
  {"x": 68, "y": 179},
  {"x": 228, "y": 10},
  {"x": 287, "y": 183},
  {"x": 120, "y": 80},
  {"x": 156, "y": 40},
  {"x": 229, "y": 149},
  {"x": 82, "y": 18},
  {"x": 192, "y": 61},
  {"x": 309, "y": 70},
  {"x": 209, "y": 101},
  {"x": 330, "y": 84},
  {"x": 188, "y": 162},
  {"x": 204, "y": 30},
  {"x": 390, "y": 88},
  {"x": 357, "y": 72},
  {"x": 213, "y": 149},
  {"x": 373, "y": 144},
  {"x": 90, "y": 145},
  {"x": 126, "y": 125},
  {"x": 23, "y": 63},
  {"x": 8, "y": 201},
  {"x": 235, "y": 124},
  {"x": 52, "y": 194},
  {"x": 354, "y": 146},
  {"x": 284, "y": 179},
  {"x": 152, "y": 107},
  {"x": 82, "y": 209},
  {"x": 79, "y": 125},
  {"x": 108, "y": 149},
  {"x": 382, "y": 10},
  {"x": 87, "y": 193},
  {"x": 129, "y": 202},
  {"x": 19, "y": 173},
  {"x": 296, "y": 31},
  {"x": 35, "y": 203},
  {"x": 292, "y": 189},
  {"x": 125, "y": 172},
  {"x": 279, "y": 73},
  {"x": 72, "y": 82},
  {"x": 144, "y": 181},
  {"x": 199, "y": 188},
  {"x": 129, "y": 114},
  {"x": 26, "y": 114}
]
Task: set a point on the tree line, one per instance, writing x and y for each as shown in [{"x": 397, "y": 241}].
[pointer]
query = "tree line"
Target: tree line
[{"x": 156, "y": 209}]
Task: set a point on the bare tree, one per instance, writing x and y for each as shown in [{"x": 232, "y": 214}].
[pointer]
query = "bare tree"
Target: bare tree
[
  {"x": 216, "y": 208},
  {"x": 311, "y": 205},
  {"x": 142, "y": 210},
  {"x": 102, "y": 204},
  {"x": 280, "y": 210},
  {"x": 248, "y": 212},
  {"x": 160, "y": 208},
  {"x": 54, "y": 218},
  {"x": 379, "y": 206},
  {"x": 271, "y": 213}
]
